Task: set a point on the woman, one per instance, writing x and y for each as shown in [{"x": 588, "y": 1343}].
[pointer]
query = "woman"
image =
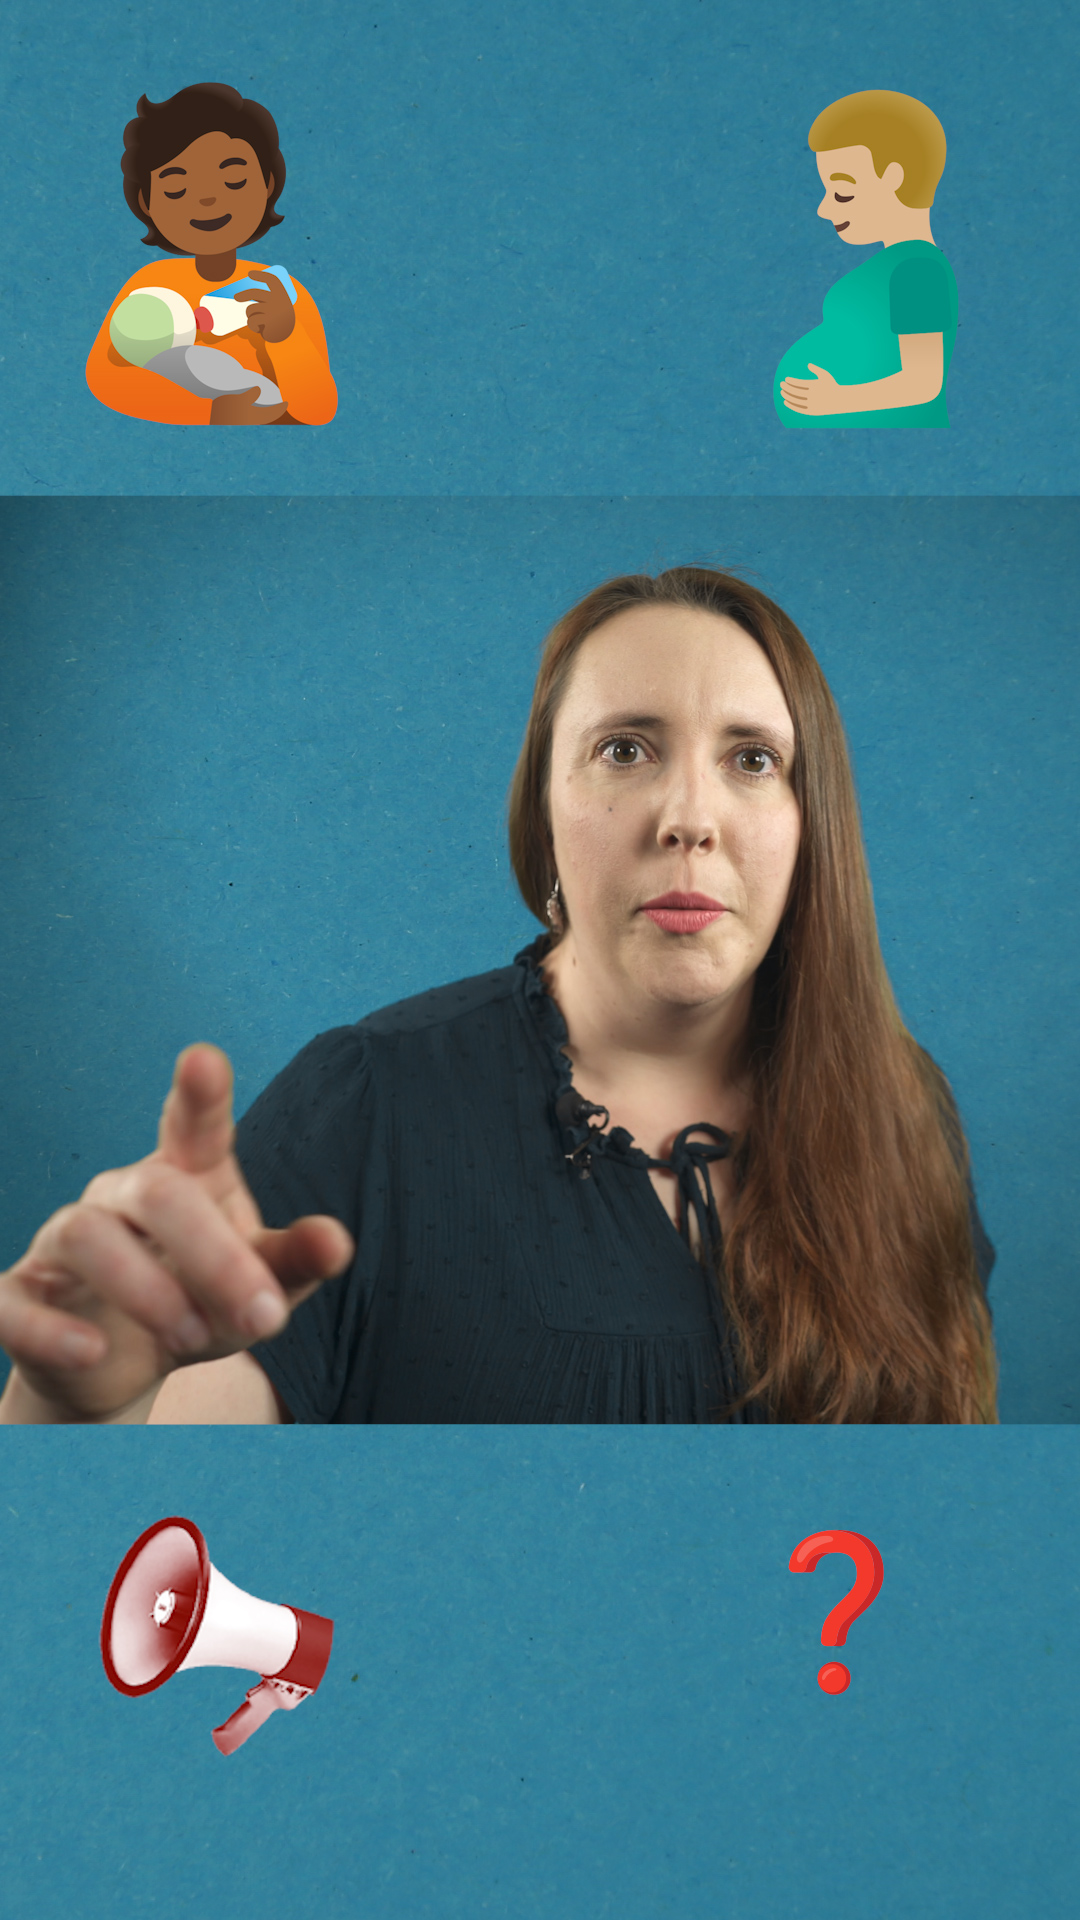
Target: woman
[
  {"x": 708, "y": 1025},
  {"x": 203, "y": 172}
]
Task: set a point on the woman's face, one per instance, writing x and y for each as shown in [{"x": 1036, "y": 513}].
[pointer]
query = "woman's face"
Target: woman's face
[
  {"x": 211, "y": 198},
  {"x": 671, "y": 775}
]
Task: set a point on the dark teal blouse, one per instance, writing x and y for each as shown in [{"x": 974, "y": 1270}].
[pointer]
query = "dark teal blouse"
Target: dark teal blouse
[{"x": 513, "y": 1260}]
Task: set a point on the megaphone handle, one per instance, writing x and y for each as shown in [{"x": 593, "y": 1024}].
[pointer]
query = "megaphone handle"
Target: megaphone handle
[{"x": 260, "y": 1703}]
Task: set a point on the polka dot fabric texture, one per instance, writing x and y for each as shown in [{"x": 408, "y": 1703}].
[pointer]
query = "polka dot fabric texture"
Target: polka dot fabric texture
[{"x": 491, "y": 1282}]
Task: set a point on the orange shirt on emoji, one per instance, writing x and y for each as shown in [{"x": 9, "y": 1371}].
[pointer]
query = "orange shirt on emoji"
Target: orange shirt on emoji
[{"x": 298, "y": 366}]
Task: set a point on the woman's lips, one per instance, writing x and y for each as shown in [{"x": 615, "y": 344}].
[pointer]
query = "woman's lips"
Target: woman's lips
[
  {"x": 843, "y": 227},
  {"x": 211, "y": 226},
  {"x": 681, "y": 919},
  {"x": 683, "y": 912}
]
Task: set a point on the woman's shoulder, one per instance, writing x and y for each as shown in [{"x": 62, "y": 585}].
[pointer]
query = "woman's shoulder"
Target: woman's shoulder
[
  {"x": 438, "y": 1006},
  {"x": 351, "y": 1048},
  {"x": 348, "y": 1069}
]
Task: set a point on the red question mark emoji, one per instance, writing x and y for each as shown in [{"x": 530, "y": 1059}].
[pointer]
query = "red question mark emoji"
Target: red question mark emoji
[{"x": 833, "y": 1677}]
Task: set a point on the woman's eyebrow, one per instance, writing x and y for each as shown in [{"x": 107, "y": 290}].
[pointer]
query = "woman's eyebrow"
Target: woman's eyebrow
[
  {"x": 613, "y": 720},
  {"x": 232, "y": 163},
  {"x": 843, "y": 176},
  {"x": 735, "y": 729},
  {"x": 165, "y": 172}
]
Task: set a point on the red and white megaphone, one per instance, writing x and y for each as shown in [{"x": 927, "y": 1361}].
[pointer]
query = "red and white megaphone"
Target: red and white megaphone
[{"x": 169, "y": 1609}]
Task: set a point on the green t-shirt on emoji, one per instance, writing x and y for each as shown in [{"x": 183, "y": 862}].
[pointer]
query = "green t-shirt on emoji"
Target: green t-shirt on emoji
[{"x": 906, "y": 288}]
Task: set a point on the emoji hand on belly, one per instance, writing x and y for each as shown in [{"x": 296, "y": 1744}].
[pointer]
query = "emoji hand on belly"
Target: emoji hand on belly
[{"x": 822, "y": 395}]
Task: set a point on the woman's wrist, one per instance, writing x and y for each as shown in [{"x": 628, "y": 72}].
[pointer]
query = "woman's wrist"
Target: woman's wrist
[{"x": 21, "y": 1405}]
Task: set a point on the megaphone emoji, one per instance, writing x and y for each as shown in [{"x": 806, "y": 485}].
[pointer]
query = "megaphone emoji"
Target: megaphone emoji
[{"x": 170, "y": 1609}]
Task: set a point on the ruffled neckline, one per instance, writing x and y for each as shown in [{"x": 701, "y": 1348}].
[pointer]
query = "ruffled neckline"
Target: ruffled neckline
[
  {"x": 577, "y": 1119},
  {"x": 545, "y": 1012},
  {"x": 553, "y": 1032}
]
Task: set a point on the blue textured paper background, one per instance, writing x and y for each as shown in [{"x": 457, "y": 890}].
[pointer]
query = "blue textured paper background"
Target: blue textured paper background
[
  {"x": 255, "y": 770},
  {"x": 572, "y": 1678},
  {"x": 558, "y": 248}
]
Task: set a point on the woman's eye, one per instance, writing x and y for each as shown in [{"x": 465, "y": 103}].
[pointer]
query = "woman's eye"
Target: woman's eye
[
  {"x": 234, "y": 186},
  {"x": 620, "y": 753},
  {"x": 174, "y": 196},
  {"x": 761, "y": 754},
  {"x": 844, "y": 198}
]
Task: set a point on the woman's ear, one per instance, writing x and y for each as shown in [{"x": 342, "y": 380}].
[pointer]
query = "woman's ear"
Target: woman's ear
[{"x": 142, "y": 203}]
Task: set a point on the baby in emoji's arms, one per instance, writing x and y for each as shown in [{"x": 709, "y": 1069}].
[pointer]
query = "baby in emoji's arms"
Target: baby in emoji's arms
[{"x": 155, "y": 327}]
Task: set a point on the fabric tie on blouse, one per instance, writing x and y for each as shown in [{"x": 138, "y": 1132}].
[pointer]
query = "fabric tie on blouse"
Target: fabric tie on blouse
[{"x": 689, "y": 1162}]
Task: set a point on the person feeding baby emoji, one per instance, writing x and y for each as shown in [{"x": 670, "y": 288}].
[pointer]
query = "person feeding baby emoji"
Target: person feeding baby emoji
[{"x": 209, "y": 340}]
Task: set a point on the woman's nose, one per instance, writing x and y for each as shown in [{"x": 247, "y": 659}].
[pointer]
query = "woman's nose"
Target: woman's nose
[
  {"x": 210, "y": 202},
  {"x": 688, "y": 833},
  {"x": 687, "y": 819}
]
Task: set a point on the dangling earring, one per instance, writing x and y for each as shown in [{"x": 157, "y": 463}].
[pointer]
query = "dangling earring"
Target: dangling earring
[{"x": 554, "y": 911}]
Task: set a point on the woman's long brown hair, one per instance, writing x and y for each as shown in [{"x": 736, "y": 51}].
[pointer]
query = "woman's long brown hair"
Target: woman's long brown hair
[{"x": 848, "y": 1276}]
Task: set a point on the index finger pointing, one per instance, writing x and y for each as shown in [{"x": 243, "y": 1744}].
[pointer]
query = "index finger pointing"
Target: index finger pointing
[{"x": 196, "y": 1129}]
